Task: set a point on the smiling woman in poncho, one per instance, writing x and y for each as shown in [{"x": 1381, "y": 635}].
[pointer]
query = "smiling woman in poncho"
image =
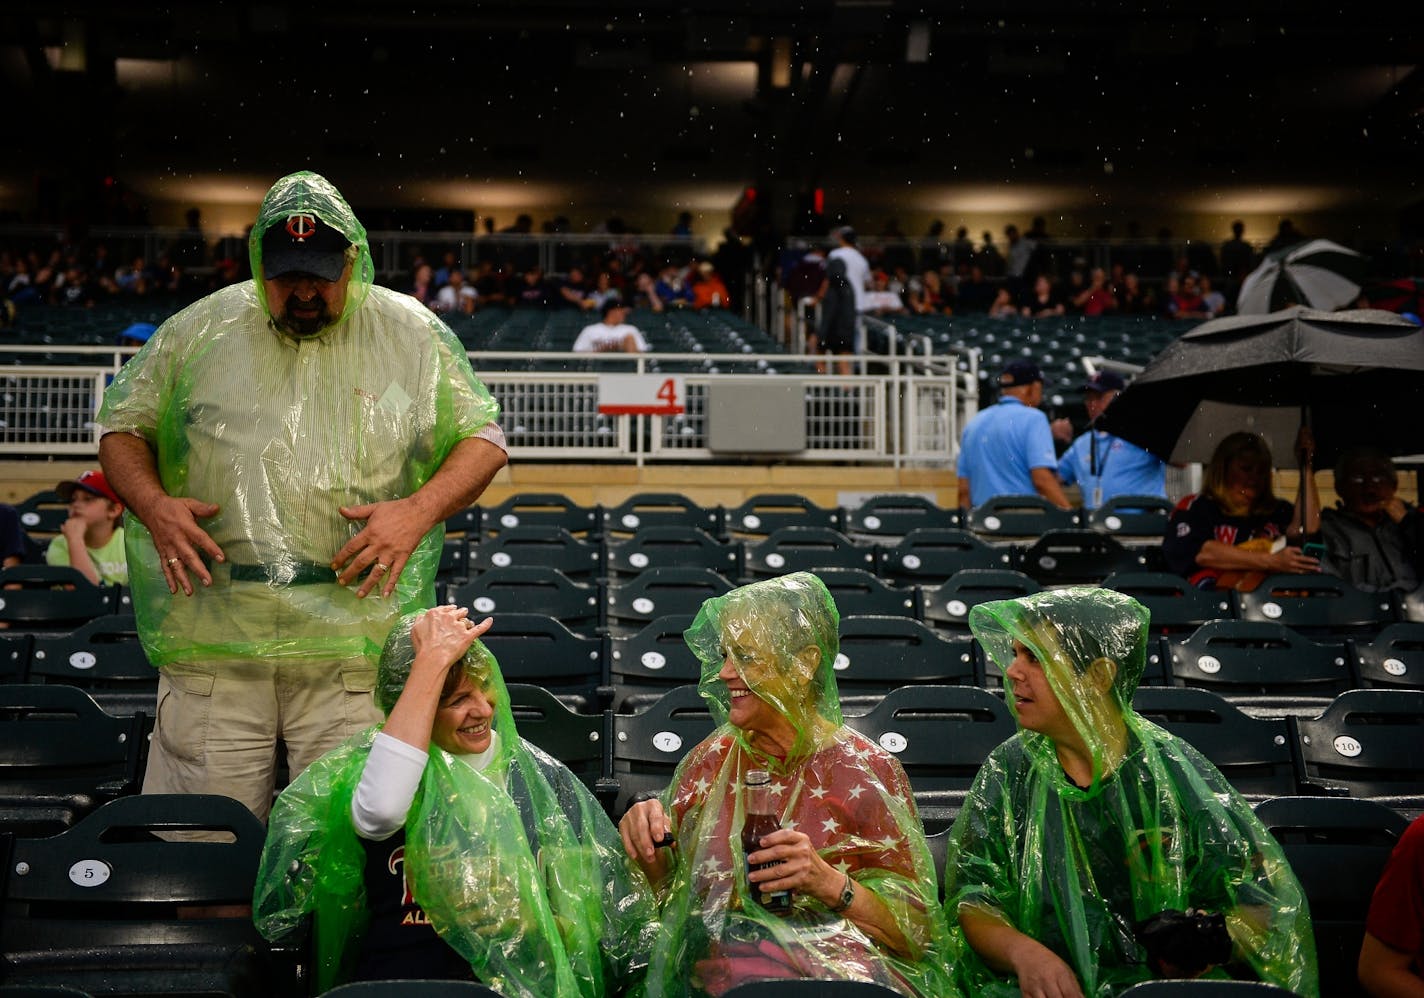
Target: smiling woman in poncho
[
  {"x": 1096, "y": 850},
  {"x": 444, "y": 846},
  {"x": 850, "y": 846}
]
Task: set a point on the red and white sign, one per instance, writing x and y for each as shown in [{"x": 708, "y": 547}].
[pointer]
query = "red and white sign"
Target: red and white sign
[{"x": 641, "y": 395}]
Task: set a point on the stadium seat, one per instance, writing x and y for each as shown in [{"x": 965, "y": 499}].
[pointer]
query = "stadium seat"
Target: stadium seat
[
  {"x": 579, "y": 741},
  {"x": 14, "y": 657},
  {"x": 930, "y": 555},
  {"x": 1253, "y": 753},
  {"x": 1074, "y": 557},
  {"x": 1132, "y": 516},
  {"x": 1394, "y": 658},
  {"x": 1175, "y": 605},
  {"x": 1019, "y": 516},
  {"x": 1251, "y": 659},
  {"x": 531, "y": 589},
  {"x": 857, "y": 591},
  {"x": 665, "y": 546},
  {"x": 647, "y": 746},
  {"x": 948, "y": 604},
  {"x": 887, "y": 516},
  {"x": 810, "y": 988},
  {"x": 111, "y": 906},
  {"x": 1367, "y": 743},
  {"x": 635, "y": 602},
  {"x": 762, "y": 514},
  {"x": 542, "y": 509},
  {"x": 1411, "y": 606},
  {"x": 105, "y": 659},
  {"x": 454, "y": 566},
  {"x": 554, "y": 547},
  {"x": 940, "y": 735},
  {"x": 1322, "y": 606},
  {"x": 806, "y": 549},
  {"x": 42, "y": 513},
  {"x": 878, "y": 654},
  {"x": 468, "y": 522},
  {"x": 536, "y": 648},
  {"x": 51, "y": 597},
  {"x": 939, "y": 850},
  {"x": 660, "y": 509},
  {"x": 645, "y": 665},
  {"x": 61, "y": 756},
  {"x": 1337, "y": 848}
]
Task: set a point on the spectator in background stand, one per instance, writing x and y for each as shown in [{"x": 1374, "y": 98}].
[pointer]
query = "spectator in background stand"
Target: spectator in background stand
[
  {"x": 531, "y": 290},
  {"x": 1044, "y": 300},
  {"x": 990, "y": 257},
  {"x": 976, "y": 292},
  {"x": 456, "y": 297},
  {"x": 603, "y": 291},
  {"x": 1007, "y": 449},
  {"x": 15, "y": 544},
  {"x": 1213, "y": 302},
  {"x": 708, "y": 290},
  {"x": 1020, "y": 259},
  {"x": 573, "y": 291},
  {"x": 842, "y": 297},
  {"x": 1286, "y": 235},
  {"x": 450, "y": 262},
  {"x": 491, "y": 284},
  {"x": 422, "y": 288},
  {"x": 672, "y": 288},
  {"x": 1096, "y": 299},
  {"x": 647, "y": 293},
  {"x": 1133, "y": 298},
  {"x": 1185, "y": 300},
  {"x": 684, "y": 224},
  {"x": 1101, "y": 465},
  {"x": 1237, "y": 258},
  {"x": 612, "y": 335},
  {"x": 92, "y": 538},
  {"x": 1003, "y": 307},
  {"x": 962, "y": 251}
]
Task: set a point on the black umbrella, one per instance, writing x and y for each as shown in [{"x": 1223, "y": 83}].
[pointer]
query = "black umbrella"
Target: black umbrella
[{"x": 1356, "y": 376}]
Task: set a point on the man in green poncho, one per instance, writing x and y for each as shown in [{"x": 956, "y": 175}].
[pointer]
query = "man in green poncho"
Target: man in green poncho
[
  {"x": 849, "y": 847},
  {"x": 444, "y": 846},
  {"x": 287, "y": 447},
  {"x": 1095, "y": 850}
]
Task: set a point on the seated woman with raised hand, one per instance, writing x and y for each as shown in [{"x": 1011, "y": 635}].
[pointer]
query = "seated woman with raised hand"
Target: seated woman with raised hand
[
  {"x": 1095, "y": 850},
  {"x": 849, "y": 849},
  {"x": 1235, "y": 531},
  {"x": 442, "y": 845}
]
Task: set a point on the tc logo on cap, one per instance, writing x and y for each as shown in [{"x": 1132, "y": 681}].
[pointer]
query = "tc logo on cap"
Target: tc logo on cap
[{"x": 301, "y": 226}]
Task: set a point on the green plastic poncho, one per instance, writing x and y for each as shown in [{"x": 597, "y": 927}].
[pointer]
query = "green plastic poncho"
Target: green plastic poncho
[
  {"x": 843, "y": 791},
  {"x": 517, "y": 866},
  {"x": 1157, "y": 828},
  {"x": 280, "y": 432}
]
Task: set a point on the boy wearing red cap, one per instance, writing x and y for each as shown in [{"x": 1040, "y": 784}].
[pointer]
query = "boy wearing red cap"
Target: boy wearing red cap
[{"x": 91, "y": 539}]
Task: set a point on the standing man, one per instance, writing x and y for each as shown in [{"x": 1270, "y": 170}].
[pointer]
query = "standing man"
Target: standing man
[
  {"x": 288, "y": 449},
  {"x": 1008, "y": 448},
  {"x": 1103, "y": 465},
  {"x": 843, "y": 297}
]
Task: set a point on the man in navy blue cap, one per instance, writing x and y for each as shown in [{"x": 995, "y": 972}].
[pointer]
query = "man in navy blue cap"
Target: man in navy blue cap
[
  {"x": 1103, "y": 465},
  {"x": 1008, "y": 448}
]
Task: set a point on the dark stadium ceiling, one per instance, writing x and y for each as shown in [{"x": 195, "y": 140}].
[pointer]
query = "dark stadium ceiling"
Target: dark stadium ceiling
[{"x": 1193, "y": 105}]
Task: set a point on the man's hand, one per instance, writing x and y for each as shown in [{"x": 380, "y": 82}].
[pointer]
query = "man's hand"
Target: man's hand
[
  {"x": 180, "y": 542},
  {"x": 381, "y": 549},
  {"x": 1062, "y": 430}
]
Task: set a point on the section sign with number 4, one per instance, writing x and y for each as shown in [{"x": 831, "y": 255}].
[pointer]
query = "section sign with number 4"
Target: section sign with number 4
[{"x": 641, "y": 395}]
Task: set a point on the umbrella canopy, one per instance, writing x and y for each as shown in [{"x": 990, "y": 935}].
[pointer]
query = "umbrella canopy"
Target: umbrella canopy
[
  {"x": 1316, "y": 273},
  {"x": 1360, "y": 375}
]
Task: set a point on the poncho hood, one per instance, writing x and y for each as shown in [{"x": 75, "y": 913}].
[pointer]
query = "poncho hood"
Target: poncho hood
[
  {"x": 783, "y": 636},
  {"x": 307, "y": 193}
]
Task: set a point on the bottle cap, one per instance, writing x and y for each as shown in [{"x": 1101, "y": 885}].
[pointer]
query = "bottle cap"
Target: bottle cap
[{"x": 757, "y": 777}]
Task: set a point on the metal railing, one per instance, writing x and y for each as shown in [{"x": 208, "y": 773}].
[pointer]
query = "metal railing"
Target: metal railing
[{"x": 894, "y": 410}]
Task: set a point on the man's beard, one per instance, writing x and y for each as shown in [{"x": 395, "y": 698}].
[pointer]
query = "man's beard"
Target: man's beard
[{"x": 303, "y": 325}]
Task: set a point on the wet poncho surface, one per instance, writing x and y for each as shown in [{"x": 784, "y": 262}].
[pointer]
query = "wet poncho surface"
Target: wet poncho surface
[
  {"x": 280, "y": 432},
  {"x": 516, "y": 866},
  {"x": 1158, "y": 827},
  {"x": 848, "y": 795}
]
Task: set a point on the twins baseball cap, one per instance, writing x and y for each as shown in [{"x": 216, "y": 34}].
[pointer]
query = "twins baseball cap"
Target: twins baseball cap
[
  {"x": 1105, "y": 381},
  {"x": 1019, "y": 372},
  {"x": 92, "y": 481},
  {"x": 304, "y": 244}
]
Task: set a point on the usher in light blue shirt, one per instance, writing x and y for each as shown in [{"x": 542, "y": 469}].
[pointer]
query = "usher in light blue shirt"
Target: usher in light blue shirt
[
  {"x": 1121, "y": 469},
  {"x": 1001, "y": 446}
]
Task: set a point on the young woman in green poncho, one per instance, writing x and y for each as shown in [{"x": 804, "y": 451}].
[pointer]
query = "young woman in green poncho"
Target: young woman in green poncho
[
  {"x": 444, "y": 846},
  {"x": 1096, "y": 850}
]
